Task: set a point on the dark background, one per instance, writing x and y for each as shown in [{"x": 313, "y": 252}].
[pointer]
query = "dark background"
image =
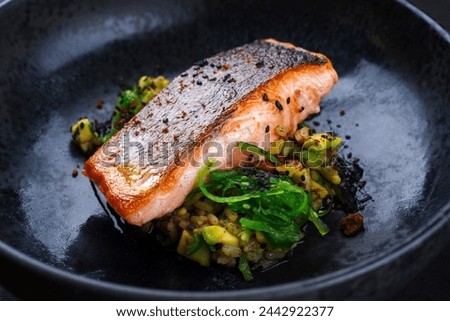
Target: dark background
[{"x": 434, "y": 281}]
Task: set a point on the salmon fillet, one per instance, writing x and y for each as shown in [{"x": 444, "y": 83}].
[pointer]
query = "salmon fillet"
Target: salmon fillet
[{"x": 147, "y": 169}]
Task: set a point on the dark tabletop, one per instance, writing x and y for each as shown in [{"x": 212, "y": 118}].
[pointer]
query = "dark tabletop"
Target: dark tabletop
[{"x": 434, "y": 281}]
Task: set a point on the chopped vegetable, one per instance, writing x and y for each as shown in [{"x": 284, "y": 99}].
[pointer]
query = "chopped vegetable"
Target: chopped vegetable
[
  {"x": 193, "y": 248},
  {"x": 216, "y": 234},
  {"x": 244, "y": 267},
  {"x": 128, "y": 103},
  {"x": 261, "y": 213},
  {"x": 84, "y": 135},
  {"x": 131, "y": 101},
  {"x": 276, "y": 147}
]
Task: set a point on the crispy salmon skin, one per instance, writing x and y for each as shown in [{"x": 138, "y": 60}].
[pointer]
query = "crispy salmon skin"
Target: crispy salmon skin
[{"x": 147, "y": 169}]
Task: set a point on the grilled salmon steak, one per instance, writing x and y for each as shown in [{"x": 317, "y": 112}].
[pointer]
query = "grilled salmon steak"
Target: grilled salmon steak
[{"x": 147, "y": 169}]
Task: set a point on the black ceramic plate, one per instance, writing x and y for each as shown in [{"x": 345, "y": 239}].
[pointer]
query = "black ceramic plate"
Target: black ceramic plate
[{"x": 57, "y": 59}]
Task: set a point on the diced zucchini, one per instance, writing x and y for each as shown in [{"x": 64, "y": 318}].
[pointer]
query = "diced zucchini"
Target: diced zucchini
[
  {"x": 216, "y": 234},
  {"x": 276, "y": 147}
]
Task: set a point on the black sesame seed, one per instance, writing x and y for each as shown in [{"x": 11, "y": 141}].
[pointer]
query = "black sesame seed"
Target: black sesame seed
[
  {"x": 365, "y": 198},
  {"x": 347, "y": 137},
  {"x": 338, "y": 126},
  {"x": 218, "y": 66},
  {"x": 288, "y": 100},
  {"x": 265, "y": 97},
  {"x": 184, "y": 74},
  {"x": 301, "y": 109},
  {"x": 205, "y": 76},
  {"x": 213, "y": 79},
  {"x": 349, "y": 155},
  {"x": 82, "y": 125},
  {"x": 278, "y": 105},
  {"x": 199, "y": 83},
  {"x": 303, "y": 178},
  {"x": 259, "y": 64},
  {"x": 201, "y": 63},
  {"x": 267, "y": 128},
  {"x": 316, "y": 123},
  {"x": 165, "y": 120},
  {"x": 227, "y": 76}
]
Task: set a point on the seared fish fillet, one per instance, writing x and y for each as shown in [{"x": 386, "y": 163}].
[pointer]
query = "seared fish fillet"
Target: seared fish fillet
[{"x": 148, "y": 168}]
